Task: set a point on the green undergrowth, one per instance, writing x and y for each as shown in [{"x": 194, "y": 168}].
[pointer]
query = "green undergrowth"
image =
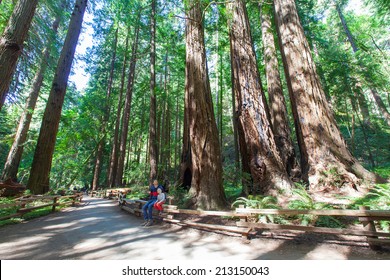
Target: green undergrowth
[
  {"x": 30, "y": 215},
  {"x": 378, "y": 198},
  {"x": 138, "y": 192}
]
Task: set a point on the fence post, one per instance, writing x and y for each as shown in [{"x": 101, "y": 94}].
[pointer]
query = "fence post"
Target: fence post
[
  {"x": 243, "y": 219},
  {"x": 53, "y": 209},
  {"x": 74, "y": 200},
  {"x": 369, "y": 225}
]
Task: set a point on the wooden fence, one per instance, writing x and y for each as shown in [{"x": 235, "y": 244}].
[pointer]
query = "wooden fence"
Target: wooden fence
[
  {"x": 109, "y": 193},
  {"x": 53, "y": 201},
  {"x": 247, "y": 221}
]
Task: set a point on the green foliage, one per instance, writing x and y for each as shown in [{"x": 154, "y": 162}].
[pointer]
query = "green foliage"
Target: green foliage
[
  {"x": 138, "y": 192},
  {"x": 304, "y": 200},
  {"x": 259, "y": 202},
  {"x": 181, "y": 196},
  {"x": 378, "y": 198}
]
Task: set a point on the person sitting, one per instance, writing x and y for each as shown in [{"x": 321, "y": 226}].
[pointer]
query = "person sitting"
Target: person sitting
[
  {"x": 161, "y": 197},
  {"x": 147, "y": 209}
]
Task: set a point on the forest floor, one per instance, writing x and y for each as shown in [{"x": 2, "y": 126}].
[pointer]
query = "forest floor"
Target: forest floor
[{"x": 99, "y": 229}]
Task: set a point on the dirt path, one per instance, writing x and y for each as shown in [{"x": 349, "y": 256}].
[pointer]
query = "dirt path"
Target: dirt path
[{"x": 100, "y": 230}]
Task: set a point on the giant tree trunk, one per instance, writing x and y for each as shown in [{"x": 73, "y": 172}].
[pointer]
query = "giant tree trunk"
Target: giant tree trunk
[
  {"x": 127, "y": 108},
  {"x": 268, "y": 173},
  {"x": 277, "y": 103},
  {"x": 322, "y": 146},
  {"x": 38, "y": 182},
  {"x": 113, "y": 165},
  {"x": 153, "y": 153},
  {"x": 11, "y": 42},
  {"x": 11, "y": 166},
  {"x": 206, "y": 184},
  {"x": 107, "y": 109}
]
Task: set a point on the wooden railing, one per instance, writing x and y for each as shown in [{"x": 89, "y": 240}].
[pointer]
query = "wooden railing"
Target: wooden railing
[
  {"x": 109, "y": 193},
  {"x": 249, "y": 222},
  {"x": 22, "y": 203}
]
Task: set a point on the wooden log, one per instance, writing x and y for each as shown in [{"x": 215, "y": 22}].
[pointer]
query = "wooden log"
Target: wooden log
[
  {"x": 29, "y": 209},
  {"x": 128, "y": 209},
  {"x": 313, "y": 229},
  {"x": 378, "y": 241},
  {"x": 10, "y": 216},
  {"x": 3, "y": 206},
  {"x": 38, "y": 198},
  {"x": 206, "y": 213},
  {"x": 244, "y": 231},
  {"x": 351, "y": 213}
]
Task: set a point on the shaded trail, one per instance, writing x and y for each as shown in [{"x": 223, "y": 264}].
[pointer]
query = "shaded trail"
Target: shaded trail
[{"x": 98, "y": 229}]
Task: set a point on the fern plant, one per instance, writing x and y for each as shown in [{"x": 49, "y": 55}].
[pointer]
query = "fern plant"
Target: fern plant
[
  {"x": 304, "y": 201},
  {"x": 259, "y": 202},
  {"x": 378, "y": 198}
]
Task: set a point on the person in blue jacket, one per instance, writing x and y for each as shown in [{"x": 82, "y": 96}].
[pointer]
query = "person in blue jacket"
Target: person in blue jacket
[{"x": 147, "y": 209}]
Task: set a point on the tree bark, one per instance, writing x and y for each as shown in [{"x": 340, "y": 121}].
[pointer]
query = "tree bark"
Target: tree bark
[
  {"x": 38, "y": 181},
  {"x": 277, "y": 103},
  {"x": 127, "y": 108},
  {"x": 321, "y": 144},
  {"x": 11, "y": 42},
  {"x": 153, "y": 151},
  {"x": 115, "y": 145},
  {"x": 11, "y": 166},
  {"x": 113, "y": 165},
  {"x": 107, "y": 107},
  {"x": 268, "y": 173},
  {"x": 206, "y": 183}
]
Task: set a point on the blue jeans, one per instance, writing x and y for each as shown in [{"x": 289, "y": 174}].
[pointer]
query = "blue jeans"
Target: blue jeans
[{"x": 147, "y": 209}]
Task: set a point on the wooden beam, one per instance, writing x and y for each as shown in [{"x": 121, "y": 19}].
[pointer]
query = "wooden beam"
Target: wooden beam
[
  {"x": 206, "y": 213},
  {"x": 352, "y": 213},
  {"x": 23, "y": 210},
  {"x": 11, "y": 216},
  {"x": 312, "y": 229},
  {"x": 378, "y": 241},
  {"x": 3, "y": 206},
  {"x": 244, "y": 231}
]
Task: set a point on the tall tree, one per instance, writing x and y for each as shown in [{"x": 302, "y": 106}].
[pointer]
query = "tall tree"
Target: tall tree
[
  {"x": 11, "y": 42},
  {"x": 115, "y": 143},
  {"x": 11, "y": 166},
  {"x": 266, "y": 167},
  {"x": 153, "y": 150},
  {"x": 107, "y": 107},
  {"x": 277, "y": 103},
  {"x": 322, "y": 146},
  {"x": 127, "y": 107},
  {"x": 206, "y": 184},
  {"x": 361, "y": 98},
  {"x": 38, "y": 181}
]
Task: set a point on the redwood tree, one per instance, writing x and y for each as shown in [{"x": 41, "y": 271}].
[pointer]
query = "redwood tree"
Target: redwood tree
[
  {"x": 38, "y": 181},
  {"x": 11, "y": 42},
  {"x": 115, "y": 143},
  {"x": 11, "y": 166},
  {"x": 265, "y": 164},
  {"x": 206, "y": 182},
  {"x": 322, "y": 146},
  {"x": 99, "y": 153},
  {"x": 277, "y": 103},
  {"x": 127, "y": 107},
  {"x": 153, "y": 152}
]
